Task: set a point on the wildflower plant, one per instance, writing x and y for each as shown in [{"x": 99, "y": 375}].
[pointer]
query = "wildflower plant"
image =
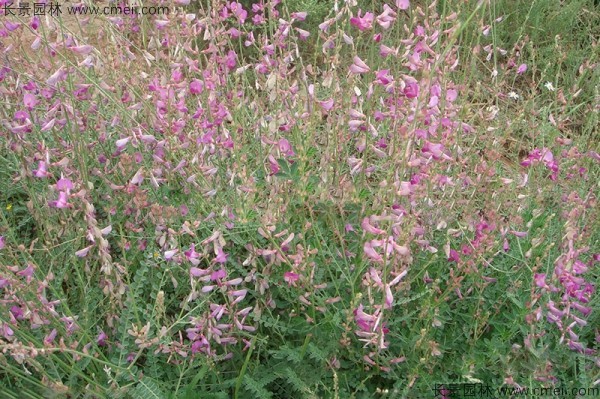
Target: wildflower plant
[{"x": 282, "y": 199}]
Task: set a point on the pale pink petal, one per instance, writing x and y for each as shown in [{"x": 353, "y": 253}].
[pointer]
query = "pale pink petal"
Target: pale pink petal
[
  {"x": 83, "y": 252},
  {"x": 403, "y": 4},
  {"x": 83, "y": 50},
  {"x": 389, "y": 297},
  {"x": 49, "y": 125},
  {"x": 369, "y": 228},
  {"x": 371, "y": 253},
  {"x": 122, "y": 142},
  {"x": 196, "y": 272}
]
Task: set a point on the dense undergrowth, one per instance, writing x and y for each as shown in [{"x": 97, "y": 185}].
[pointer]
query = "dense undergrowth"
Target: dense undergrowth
[{"x": 300, "y": 199}]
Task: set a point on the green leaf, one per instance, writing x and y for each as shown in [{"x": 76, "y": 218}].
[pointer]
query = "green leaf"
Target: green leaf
[
  {"x": 294, "y": 171},
  {"x": 256, "y": 388},
  {"x": 284, "y": 166},
  {"x": 147, "y": 389}
]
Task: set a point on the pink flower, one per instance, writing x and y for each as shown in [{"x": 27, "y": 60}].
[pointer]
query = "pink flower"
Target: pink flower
[
  {"x": 285, "y": 147},
  {"x": 239, "y": 12},
  {"x": 57, "y": 76},
  {"x": 327, "y": 105},
  {"x": 389, "y": 297},
  {"x": 42, "y": 170},
  {"x": 540, "y": 280},
  {"x": 384, "y": 50},
  {"x": 17, "y": 312},
  {"x": 83, "y": 252},
  {"x": 160, "y": 24},
  {"x": 20, "y": 116},
  {"x": 101, "y": 339},
  {"x": 35, "y": 22},
  {"x": 374, "y": 275},
  {"x": 348, "y": 39},
  {"x": 7, "y": 331},
  {"x": 64, "y": 184},
  {"x": 234, "y": 33},
  {"x": 435, "y": 150},
  {"x": 454, "y": 257},
  {"x": 50, "y": 337},
  {"x": 369, "y": 228},
  {"x": 364, "y": 23},
  {"x": 239, "y": 293},
  {"x": 29, "y": 100},
  {"x": 302, "y": 34},
  {"x": 522, "y": 69},
  {"x": 359, "y": 66},
  {"x": 383, "y": 77},
  {"x": 400, "y": 249},
  {"x": 235, "y": 281},
  {"x": 11, "y": 26},
  {"x": 121, "y": 143},
  {"x": 250, "y": 39},
  {"x": 386, "y": 18},
  {"x": 62, "y": 201},
  {"x": 192, "y": 255},
  {"x": 406, "y": 188},
  {"x": 542, "y": 155},
  {"x": 370, "y": 251},
  {"x": 363, "y": 320},
  {"x": 547, "y": 156},
  {"x": 196, "y": 272},
  {"x": 196, "y": 86},
  {"x": 2, "y": 242},
  {"x": 221, "y": 256},
  {"x": 200, "y": 345},
  {"x": 48, "y": 125},
  {"x": 83, "y": 50},
  {"x": 585, "y": 311},
  {"x": 411, "y": 90},
  {"x": 219, "y": 274},
  {"x": 231, "y": 60},
  {"x": 299, "y": 16},
  {"x": 397, "y": 279},
  {"x": 27, "y": 272},
  {"x": 291, "y": 278},
  {"x": 451, "y": 95},
  {"x": 273, "y": 165},
  {"x": 403, "y": 4},
  {"x": 324, "y": 26},
  {"x": 176, "y": 75}
]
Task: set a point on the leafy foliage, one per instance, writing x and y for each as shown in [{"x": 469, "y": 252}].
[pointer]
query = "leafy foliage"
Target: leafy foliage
[{"x": 309, "y": 199}]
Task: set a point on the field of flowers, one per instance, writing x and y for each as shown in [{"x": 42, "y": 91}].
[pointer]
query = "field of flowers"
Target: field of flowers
[{"x": 300, "y": 199}]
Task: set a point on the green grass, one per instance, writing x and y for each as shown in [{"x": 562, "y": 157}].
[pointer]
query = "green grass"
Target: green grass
[{"x": 472, "y": 321}]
